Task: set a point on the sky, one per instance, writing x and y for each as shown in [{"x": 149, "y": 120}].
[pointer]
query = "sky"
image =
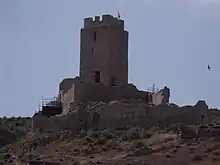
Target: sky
[{"x": 171, "y": 42}]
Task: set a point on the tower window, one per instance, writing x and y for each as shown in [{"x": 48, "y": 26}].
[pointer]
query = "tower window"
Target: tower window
[
  {"x": 113, "y": 81},
  {"x": 93, "y": 49},
  {"x": 97, "y": 76},
  {"x": 94, "y": 36}
]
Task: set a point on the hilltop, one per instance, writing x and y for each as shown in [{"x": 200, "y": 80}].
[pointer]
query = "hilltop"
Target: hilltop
[{"x": 171, "y": 144}]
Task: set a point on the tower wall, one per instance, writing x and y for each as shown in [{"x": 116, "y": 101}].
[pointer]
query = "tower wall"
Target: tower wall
[{"x": 104, "y": 51}]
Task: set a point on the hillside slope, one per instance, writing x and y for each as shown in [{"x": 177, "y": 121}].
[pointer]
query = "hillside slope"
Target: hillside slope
[{"x": 129, "y": 146}]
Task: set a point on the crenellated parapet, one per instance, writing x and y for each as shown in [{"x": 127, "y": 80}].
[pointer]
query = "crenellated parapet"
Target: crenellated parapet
[{"x": 107, "y": 19}]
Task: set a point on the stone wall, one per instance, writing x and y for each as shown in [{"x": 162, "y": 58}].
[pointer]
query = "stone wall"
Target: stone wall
[
  {"x": 85, "y": 92},
  {"x": 67, "y": 98},
  {"x": 118, "y": 114},
  {"x": 161, "y": 97},
  {"x": 66, "y": 84},
  {"x": 104, "y": 49},
  {"x": 76, "y": 91},
  {"x": 124, "y": 113},
  {"x": 90, "y": 92},
  {"x": 39, "y": 122},
  {"x": 157, "y": 98},
  {"x": 56, "y": 123}
]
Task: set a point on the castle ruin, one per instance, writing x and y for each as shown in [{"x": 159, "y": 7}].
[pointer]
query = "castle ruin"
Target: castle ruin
[{"x": 102, "y": 88}]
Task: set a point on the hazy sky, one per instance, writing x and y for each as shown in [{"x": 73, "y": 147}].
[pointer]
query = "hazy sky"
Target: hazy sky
[{"x": 171, "y": 42}]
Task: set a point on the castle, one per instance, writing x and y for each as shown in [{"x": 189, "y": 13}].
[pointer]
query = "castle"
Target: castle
[
  {"x": 103, "y": 77},
  {"x": 103, "y": 65}
]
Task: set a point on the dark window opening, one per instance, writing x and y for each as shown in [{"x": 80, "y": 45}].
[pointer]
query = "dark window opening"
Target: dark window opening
[
  {"x": 97, "y": 77},
  {"x": 92, "y": 49},
  {"x": 94, "y": 36},
  {"x": 113, "y": 81},
  {"x": 96, "y": 118}
]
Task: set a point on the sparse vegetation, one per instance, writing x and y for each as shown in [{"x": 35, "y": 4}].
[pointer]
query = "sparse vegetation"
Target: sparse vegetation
[
  {"x": 117, "y": 146},
  {"x": 12, "y": 129}
]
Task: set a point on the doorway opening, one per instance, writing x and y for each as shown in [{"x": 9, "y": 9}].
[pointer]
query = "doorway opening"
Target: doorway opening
[{"x": 97, "y": 78}]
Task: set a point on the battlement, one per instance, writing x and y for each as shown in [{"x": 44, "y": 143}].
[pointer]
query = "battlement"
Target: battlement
[{"x": 107, "y": 19}]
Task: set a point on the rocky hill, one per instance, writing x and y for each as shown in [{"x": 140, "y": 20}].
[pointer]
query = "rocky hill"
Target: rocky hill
[{"x": 156, "y": 145}]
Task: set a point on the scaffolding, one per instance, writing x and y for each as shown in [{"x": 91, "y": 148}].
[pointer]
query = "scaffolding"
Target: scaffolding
[
  {"x": 153, "y": 89},
  {"x": 53, "y": 102}
]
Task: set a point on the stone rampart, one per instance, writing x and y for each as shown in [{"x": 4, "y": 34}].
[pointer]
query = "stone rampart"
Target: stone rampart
[{"x": 124, "y": 113}]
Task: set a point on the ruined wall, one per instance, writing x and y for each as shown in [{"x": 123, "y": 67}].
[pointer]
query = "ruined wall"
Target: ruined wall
[
  {"x": 147, "y": 96},
  {"x": 69, "y": 121},
  {"x": 161, "y": 97},
  {"x": 157, "y": 98},
  {"x": 87, "y": 91},
  {"x": 121, "y": 114},
  {"x": 67, "y": 98},
  {"x": 98, "y": 92},
  {"x": 64, "y": 122},
  {"x": 66, "y": 84},
  {"x": 117, "y": 114},
  {"x": 124, "y": 113},
  {"x": 39, "y": 122},
  {"x": 188, "y": 115},
  {"x": 67, "y": 92}
]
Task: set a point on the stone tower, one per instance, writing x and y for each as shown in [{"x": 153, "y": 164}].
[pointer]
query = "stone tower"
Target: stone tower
[{"x": 104, "y": 51}]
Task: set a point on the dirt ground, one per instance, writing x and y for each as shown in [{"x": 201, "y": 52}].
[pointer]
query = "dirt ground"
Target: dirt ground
[{"x": 112, "y": 147}]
